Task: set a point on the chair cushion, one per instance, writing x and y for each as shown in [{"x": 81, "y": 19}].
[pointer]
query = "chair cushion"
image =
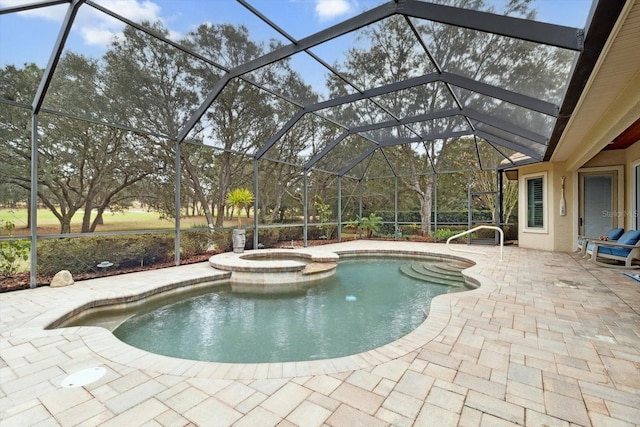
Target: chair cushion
[
  {"x": 615, "y": 251},
  {"x": 614, "y": 233},
  {"x": 631, "y": 237}
]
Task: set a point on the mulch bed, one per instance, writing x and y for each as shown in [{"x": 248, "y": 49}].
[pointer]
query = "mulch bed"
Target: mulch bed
[{"x": 21, "y": 280}]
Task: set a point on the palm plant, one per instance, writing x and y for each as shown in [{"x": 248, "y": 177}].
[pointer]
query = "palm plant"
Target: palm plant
[
  {"x": 240, "y": 198},
  {"x": 371, "y": 224}
]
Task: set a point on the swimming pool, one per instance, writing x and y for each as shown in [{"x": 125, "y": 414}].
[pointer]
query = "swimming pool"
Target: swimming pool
[{"x": 366, "y": 304}]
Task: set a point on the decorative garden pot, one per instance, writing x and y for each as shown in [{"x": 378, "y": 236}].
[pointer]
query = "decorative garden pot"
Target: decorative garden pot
[{"x": 239, "y": 238}]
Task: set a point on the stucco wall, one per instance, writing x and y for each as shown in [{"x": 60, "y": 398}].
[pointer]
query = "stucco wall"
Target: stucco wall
[
  {"x": 562, "y": 231},
  {"x": 632, "y": 159},
  {"x": 626, "y": 158}
]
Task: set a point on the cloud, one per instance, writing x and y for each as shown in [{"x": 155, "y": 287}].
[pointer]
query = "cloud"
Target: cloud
[
  {"x": 329, "y": 9},
  {"x": 98, "y": 29},
  {"x": 133, "y": 9},
  {"x": 95, "y": 27},
  {"x": 97, "y": 36},
  {"x": 51, "y": 13}
]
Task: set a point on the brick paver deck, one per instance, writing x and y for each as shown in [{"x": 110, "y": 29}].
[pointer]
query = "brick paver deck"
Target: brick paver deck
[{"x": 548, "y": 339}]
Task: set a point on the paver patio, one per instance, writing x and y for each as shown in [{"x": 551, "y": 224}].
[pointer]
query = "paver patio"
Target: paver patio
[{"x": 548, "y": 339}]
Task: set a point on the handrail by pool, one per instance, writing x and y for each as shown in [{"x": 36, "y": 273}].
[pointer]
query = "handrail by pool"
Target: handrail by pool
[{"x": 471, "y": 231}]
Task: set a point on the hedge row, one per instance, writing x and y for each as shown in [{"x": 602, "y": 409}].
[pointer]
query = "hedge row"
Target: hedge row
[
  {"x": 82, "y": 255},
  {"x": 444, "y": 217}
]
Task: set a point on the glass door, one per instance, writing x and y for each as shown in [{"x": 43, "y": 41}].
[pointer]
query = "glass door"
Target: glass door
[
  {"x": 598, "y": 202},
  {"x": 636, "y": 196}
]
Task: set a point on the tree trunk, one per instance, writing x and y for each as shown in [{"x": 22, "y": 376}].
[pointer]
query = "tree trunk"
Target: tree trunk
[
  {"x": 277, "y": 209},
  {"x": 197, "y": 188},
  {"x": 86, "y": 217},
  {"x": 28, "y": 214},
  {"x": 98, "y": 220},
  {"x": 65, "y": 224},
  {"x": 426, "y": 208}
]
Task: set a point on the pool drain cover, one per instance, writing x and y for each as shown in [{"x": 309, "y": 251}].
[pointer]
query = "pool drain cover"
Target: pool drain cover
[{"x": 84, "y": 377}]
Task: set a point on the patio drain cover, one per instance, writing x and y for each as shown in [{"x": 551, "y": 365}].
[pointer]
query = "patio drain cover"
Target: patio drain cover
[{"x": 84, "y": 377}]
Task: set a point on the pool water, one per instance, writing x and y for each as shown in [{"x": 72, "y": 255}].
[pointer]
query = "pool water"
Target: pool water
[{"x": 366, "y": 304}]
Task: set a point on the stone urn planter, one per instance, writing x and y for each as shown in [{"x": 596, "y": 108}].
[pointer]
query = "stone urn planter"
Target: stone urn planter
[{"x": 239, "y": 239}]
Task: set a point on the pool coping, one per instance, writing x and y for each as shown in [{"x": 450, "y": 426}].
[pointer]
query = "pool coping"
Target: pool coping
[{"x": 104, "y": 344}]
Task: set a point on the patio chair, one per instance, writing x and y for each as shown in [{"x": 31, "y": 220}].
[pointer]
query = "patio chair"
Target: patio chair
[
  {"x": 611, "y": 236},
  {"x": 625, "y": 249}
]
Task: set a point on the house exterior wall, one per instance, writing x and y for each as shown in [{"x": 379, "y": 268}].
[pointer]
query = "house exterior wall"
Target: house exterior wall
[
  {"x": 632, "y": 193},
  {"x": 556, "y": 235},
  {"x": 627, "y": 159},
  {"x": 561, "y": 231}
]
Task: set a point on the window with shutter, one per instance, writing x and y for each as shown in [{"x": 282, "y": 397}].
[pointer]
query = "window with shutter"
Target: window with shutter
[{"x": 535, "y": 202}]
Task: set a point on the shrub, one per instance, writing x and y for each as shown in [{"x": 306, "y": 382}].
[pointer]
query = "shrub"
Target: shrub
[
  {"x": 269, "y": 237},
  {"x": 195, "y": 242},
  {"x": 222, "y": 240},
  {"x": 316, "y": 232},
  {"x": 444, "y": 233},
  {"x": 290, "y": 233},
  {"x": 82, "y": 255},
  {"x": 12, "y": 252},
  {"x": 411, "y": 229},
  {"x": 510, "y": 231},
  {"x": 371, "y": 224}
]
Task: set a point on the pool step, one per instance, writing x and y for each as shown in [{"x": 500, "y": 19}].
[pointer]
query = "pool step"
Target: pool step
[
  {"x": 433, "y": 270},
  {"x": 455, "y": 267},
  {"x": 427, "y": 276}
]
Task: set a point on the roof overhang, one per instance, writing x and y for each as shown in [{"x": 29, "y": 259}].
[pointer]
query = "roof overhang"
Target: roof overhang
[{"x": 605, "y": 89}]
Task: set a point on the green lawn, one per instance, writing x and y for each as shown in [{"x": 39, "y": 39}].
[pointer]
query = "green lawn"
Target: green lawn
[{"x": 130, "y": 220}]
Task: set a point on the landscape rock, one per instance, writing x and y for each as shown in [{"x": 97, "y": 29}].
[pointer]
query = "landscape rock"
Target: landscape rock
[{"x": 62, "y": 278}]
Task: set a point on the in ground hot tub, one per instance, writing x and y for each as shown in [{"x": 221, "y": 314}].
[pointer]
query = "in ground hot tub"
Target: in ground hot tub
[{"x": 275, "y": 270}]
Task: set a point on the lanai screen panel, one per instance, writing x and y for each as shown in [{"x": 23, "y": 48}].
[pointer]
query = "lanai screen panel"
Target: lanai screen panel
[
  {"x": 578, "y": 17},
  {"x": 280, "y": 193},
  {"x": 409, "y": 159},
  {"x": 418, "y": 100},
  {"x": 88, "y": 170},
  {"x": 241, "y": 118},
  {"x": 525, "y": 118},
  {"x": 137, "y": 80},
  {"x": 380, "y": 53},
  {"x": 515, "y": 142},
  {"x": 521, "y": 66},
  {"x": 357, "y": 113},
  {"x": 455, "y": 154},
  {"x": 441, "y": 127},
  {"x": 15, "y": 151},
  {"x": 306, "y": 138},
  {"x": 344, "y": 154},
  {"x": 290, "y": 79},
  {"x": 252, "y": 36},
  {"x": 24, "y": 58},
  {"x": 374, "y": 166},
  {"x": 492, "y": 155}
]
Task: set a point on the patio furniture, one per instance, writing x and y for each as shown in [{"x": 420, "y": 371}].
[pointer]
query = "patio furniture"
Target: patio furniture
[
  {"x": 611, "y": 236},
  {"x": 625, "y": 249}
]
